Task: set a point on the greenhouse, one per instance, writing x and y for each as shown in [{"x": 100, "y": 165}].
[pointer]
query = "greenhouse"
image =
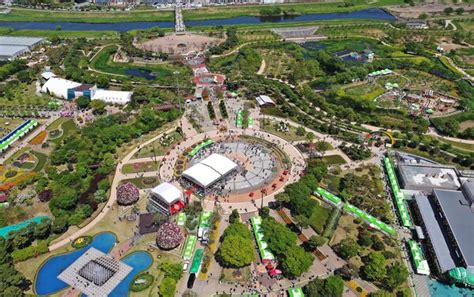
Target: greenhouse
[
  {"x": 16, "y": 134},
  {"x": 189, "y": 247},
  {"x": 398, "y": 195},
  {"x": 196, "y": 265},
  {"x": 200, "y": 146},
  {"x": 421, "y": 265},
  {"x": 262, "y": 245},
  {"x": 373, "y": 222},
  {"x": 329, "y": 197}
]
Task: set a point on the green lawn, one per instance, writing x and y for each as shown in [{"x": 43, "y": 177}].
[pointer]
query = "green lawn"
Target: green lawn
[
  {"x": 155, "y": 148},
  {"x": 319, "y": 218},
  {"x": 69, "y": 128},
  {"x": 140, "y": 167},
  {"x": 144, "y": 182},
  {"x": 42, "y": 158},
  {"x": 334, "y": 160},
  {"x": 365, "y": 91}
]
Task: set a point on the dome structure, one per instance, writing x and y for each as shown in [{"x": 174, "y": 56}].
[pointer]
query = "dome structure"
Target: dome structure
[
  {"x": 168, "y": 236},
  {"x": 127, "y": 194}
]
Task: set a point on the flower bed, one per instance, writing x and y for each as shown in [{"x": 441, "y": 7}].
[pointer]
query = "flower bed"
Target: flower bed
[
  {"x": 81, "y": 242},
  {"x": 144, "y": 281},
  {"x": 39, "y": 138}
]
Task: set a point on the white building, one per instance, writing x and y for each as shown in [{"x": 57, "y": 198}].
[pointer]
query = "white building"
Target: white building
[
  {"x": 12, "y": 47},
  {"x": 165, "y": 198},
  {"x": 264, "y": 100},
  {"x": 210, "y": 170},
  {"x": 112, "y": 97},
  {"x": 59, "y": 87}
]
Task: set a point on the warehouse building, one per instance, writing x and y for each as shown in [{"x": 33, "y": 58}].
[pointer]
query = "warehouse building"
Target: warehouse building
[{"x": 13, "y": 47}]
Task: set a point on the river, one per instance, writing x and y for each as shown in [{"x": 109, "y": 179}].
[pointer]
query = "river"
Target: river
[{"x": 372, "y": 13}]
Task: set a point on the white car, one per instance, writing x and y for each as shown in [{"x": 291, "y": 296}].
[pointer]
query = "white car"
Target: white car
[{"x": 185, "y": 266}]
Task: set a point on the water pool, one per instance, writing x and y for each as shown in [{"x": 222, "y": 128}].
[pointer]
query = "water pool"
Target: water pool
[
  {"x": 46, "y": 281},
  {"x": 7, "y": 229}
]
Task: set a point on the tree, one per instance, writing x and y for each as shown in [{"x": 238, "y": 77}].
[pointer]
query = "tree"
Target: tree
[
  {"x": 300, "y": 131},
  {"x": 235, "y": 251},
  {"x": 347, "y": 248},
  {"x": 322, "y": 146},
  {"x": 43, "y": 229},
  {"x": 167, "y": 287},
  {"x": 172, "y": 270},
  {"x": 459, "y": 10},
  {"x": 98, "y": 106},
  {"x": 375, "y": 268},
  {"x": 397, "y": 274},
  {"x": 333, "y": 286},
  {"x": 296, "y": 261},
  {"x": 448, "y": 10},
  {"x": 83, "y": 102},
  {"x": 282, "y": 198},
  {"x": 316, "y": 241},
  {"x": 301, "y": 221},
  {"x": 234, "y": 216},
  {"x": 278, "y": 236},
  {"x": 60, "y": 224},
  {"x": 237, "y": 229}
]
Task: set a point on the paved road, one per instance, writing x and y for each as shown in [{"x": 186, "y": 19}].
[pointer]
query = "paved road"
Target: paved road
[{"x": 113, "y": 194}]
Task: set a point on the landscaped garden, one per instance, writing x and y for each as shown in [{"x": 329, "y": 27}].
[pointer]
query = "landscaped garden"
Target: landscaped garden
[{"x": 140, "y": 167}]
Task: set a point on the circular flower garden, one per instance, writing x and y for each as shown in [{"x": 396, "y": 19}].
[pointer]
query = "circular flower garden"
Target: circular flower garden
[
  {"x": 168, "y": 236},
  {"x": 127, "y": 194}
]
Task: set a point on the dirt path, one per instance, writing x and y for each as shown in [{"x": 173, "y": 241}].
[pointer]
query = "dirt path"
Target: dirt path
[{"x": 262, "y": 67}]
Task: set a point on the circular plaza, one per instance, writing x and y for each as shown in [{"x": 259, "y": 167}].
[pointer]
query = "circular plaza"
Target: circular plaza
[{"x": 236, "y": 166}]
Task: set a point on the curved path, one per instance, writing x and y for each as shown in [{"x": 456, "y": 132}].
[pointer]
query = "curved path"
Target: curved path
[{"x": 113, "y": 194}]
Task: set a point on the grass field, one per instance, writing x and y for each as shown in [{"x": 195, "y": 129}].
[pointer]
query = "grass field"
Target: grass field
[
  {"x": 140, "y": 167},
  {"x": 334, "y": 160},
  {"x": 69, "y": 128},
  {"x": 289, "y": 136},
  {"x": 59, "y": 33},
  {"x": 42, "y": 158},
  {"x": 155, "y": 148},
  {"x": 319, "y": 218},
  {"x": 365, "y": 91}
]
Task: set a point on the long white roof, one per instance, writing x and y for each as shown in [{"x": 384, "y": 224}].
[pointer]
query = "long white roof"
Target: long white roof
[
  {"x": 210, "y": 170},
  {"x": 58, "y": 87},
  {"x": 116, "y": 97},
  {"x": 167, "y": 192}
]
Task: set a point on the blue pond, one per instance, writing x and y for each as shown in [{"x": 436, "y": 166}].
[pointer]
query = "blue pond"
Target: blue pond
[
  {"x": 143, "y": 73},
  {"x": 46, "y": 279},
  {"x": 438, "y": 289},
  {"x": 371, "y": 13}
]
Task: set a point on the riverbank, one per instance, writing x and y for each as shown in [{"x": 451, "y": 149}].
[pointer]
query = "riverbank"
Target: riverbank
[{"x": 218, "y": 12}]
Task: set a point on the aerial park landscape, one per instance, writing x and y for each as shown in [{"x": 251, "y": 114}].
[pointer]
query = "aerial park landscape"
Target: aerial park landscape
[{"x": 203, "y": 148}]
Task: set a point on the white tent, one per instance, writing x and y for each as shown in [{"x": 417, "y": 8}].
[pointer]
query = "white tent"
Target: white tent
[
  {"x": 113, "y": 97},
  {"x": 167, "y": 192},
  {"x": 210, "y": 170},
  {"x": 58, "y": 87},
  {"x": 264, "y": 100}
]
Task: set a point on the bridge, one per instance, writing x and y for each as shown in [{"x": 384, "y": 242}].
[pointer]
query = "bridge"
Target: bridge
[{"x": 179, "y": 26}]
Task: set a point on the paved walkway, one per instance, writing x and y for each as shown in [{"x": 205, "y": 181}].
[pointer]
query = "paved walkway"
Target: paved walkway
[{"x": 113, "y": 195}]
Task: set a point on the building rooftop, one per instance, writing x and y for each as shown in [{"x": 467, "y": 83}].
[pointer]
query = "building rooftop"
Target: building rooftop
[
  {"x": 11, "y": 50},
  {"x": 428, "y": 177},
  {"x": 169, "y": 192},
  {"x": 439, "y": 240},
  {"x": 24, "y": 41},
  {"x": 460, "y": 217}
]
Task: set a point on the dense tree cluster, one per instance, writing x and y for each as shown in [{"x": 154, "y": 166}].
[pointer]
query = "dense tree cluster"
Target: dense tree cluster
[
  {"x": 12, "y": 282},
  {"x": 89, "y": 157},
  {"x": 281, "y": 241},
  {"x": 231, "y": 41},
  {"x": 333, "y": 286}
]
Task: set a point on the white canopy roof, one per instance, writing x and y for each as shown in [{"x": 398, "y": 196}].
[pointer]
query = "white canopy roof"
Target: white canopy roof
[
  {"x": 115, "y": 97},
  {"x": 264, "y": 99},
  {"x": 210, "y": 170},
  {"x": 168, "y": 192},
  {"x": 58, "y": 87}
]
